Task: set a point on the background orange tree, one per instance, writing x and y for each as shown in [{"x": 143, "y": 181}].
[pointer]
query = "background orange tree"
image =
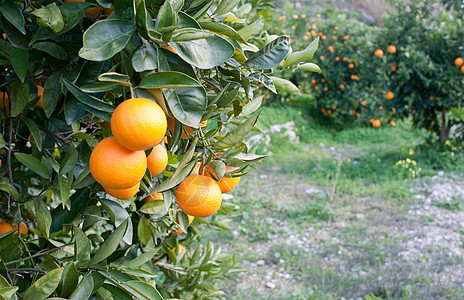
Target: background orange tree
[{"x": 64, "y": 69}]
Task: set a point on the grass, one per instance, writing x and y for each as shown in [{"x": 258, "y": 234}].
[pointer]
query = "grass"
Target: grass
[{"x": 304, "y": 233}]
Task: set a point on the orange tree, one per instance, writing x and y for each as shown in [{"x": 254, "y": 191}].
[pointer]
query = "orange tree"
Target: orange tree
[
  {"x": 428, "y": 78},
  {"x": 90, "y": 89}
]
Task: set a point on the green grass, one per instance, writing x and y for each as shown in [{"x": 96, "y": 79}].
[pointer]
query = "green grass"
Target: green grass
[{"x": 288, "y": 219}]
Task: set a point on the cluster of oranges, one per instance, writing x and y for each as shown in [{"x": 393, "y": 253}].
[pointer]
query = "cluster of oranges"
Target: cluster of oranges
[
  {"x": 119, "y": 162},
  {"x": 459, "y": 62}
]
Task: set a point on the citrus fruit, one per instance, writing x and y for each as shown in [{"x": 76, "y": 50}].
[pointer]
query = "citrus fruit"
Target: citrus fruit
[
  {"x": 5, "y": 227},
  {"x": 157, "y": 160},
  {"x": 23, "y": 228},
  {"x": 226, "y": 184},
  {"x": 394, "y": 68},
  {"x": 190, "y": 218},
  {"x": 459, "y": 62},
  {"x": 186, "y": 130},
  {"x": 198, "y": 196},
  {"x": 40, "y": 91},
  {"x": 4, "y": 100},
  {"x": 462, "y": 69},
  {"x": 138, "y": 124},
  {"x": 181, "y": 249},
  {"x": 391, "y": 49},
  {"x": 389, "y": 95},
  {"x": 376, "y": 123},
  {"x": 116, "y": 167},
  {"x": 378, "y": 53},
  {"x": 123, "y": 194},
  {"x": 392, "y": 123},
  {"x": 154, "y": 197},
  {"x": 351, "y": 66}
]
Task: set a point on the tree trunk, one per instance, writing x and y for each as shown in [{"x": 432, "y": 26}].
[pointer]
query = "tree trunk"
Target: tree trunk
[{"x": 444, "y": 128}]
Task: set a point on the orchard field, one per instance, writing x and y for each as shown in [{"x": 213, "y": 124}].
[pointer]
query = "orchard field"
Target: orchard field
[{"x": 231, "y": 149}]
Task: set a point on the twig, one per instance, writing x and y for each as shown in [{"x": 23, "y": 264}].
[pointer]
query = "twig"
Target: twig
[
  {"x": 8, "y": 157},
  {"x": 24, "y": 270},
  {"x": 64, "y": 140}
]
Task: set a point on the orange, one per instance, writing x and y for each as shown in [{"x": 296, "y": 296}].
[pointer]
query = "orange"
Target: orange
[
  {"x": 334, "y": 37},
  {"x": 227, "y": 183},
  {"x": 323, "y": 37},
  {"x": 23, "y": 228},
  {"x": 116, "y": 167},
  {"x": 40, "y": 91},
  {"x": 316, "y": 87},
  {"x": 157, "y": 160},
  {"x": 93, "y": 11},
  {"x": 376, "y": 123},
  {"x": 167, "y": 47},
  {"x": 331, "y": 49},
  {"x": 138, "y": 124},
  {"x": 199, "y": 196},
  {"x": 391, "y": 49},
  {"x": 337, "y": 58},
  {"x": 380, "y": 107},
  {"x": 371, "y": 120},
  {"x": 431, "y": 98},
  {"x": 313, "y": 81},
  {"x": 6, "y": 227},
  {"x": 4, "y": 100},
  {"x": 342, "y": 86},
  {"x": 345, "y": 58},
  {"x": 334, "y": 107},
  {"x": 462, "y": 69},
  {"x": 378, "y": 53},
  {"x": 326, "y": 89},
  {"x": 392, "y": 123},
  {"x": 354, "y": 77},
  {"x": 123, "y": 194},
  {"x": 363, "y": 103},
  {"x": 190, "y": 218},
  {"x": 394, "y": 68},
  {"x": 321, "y": 57},
  {"x": 322, "y": 80},
  {"x": 181, "y": 249},
  {"x": 351, "y": 66},
  {"x": 107, "y": 11},
  {"x": 389, "y": 95},
  {"x": 154, "y": 197},
  {"x": 336, "y": 28},
  {"x": 459, "y": 62},
  {"x": 329, "y": 111},
  {"x": 186, "y": 131}
]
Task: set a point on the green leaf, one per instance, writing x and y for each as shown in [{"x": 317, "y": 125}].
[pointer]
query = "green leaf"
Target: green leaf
[
  {"x": 118, "y": 214},
  {"x": 83, "y": 247},
  {"x": 190, "y": 34},
  {"x": 105, "y": 38},
  {"x": 223, "y": 29},
  {"x": 13, "y": 14},
  {"x": 8, "y": 293},
  {"x": 45, "y": 286},
  {"x": 178, "y": 176},
  {"x": 87, "y": 99},
  {"x": 166, "y": 17},
  {"x": 2, "y": 141},
  {"x": 143, "y": 230},
  {"x": 19, "y": 59},
  {"x": 285, "y": 85},
  {"x": 224, "y": 6},
  {"x": 65, "y": 190},
  {"x": 144, "y": 23},
  {"x": 69, "y": 280},
  {"x": 62, "y": 216},
  {"x": 238, "y": 134},
  {"x": 51, "y": 94},
  {"x": 53, "y": 49},
  {"x": 168, "y": 79},
  {"x": 142, "y": 290},
  {"x": 206, "y": 53},
  {"x": 111, "y": 244},
  {"x": 122, "y": 79},
  {"x": 34, "y": 164},
  {"x": 69, "y": 162},
  {"x": 141, "y": 259},
  {"x": 251, "y": 106},
  {"x": 99, "y": 87},
  {"x": 7, "y": 187},
  {"x": 153, "y": 208},
  {"x": 34, "y": 132},
  {"x": 145, "y": 58},
  {"x": 18, "y": 97},
  {"x": 44, "y": 218},
  {"x": 247, "y": 31},
  {"x": 84, "y": 289},
  {"x": 219, "y": 168},
  {"x": 270, "y": 55},
  {"x": 226, "y": 98},
  {"x": 49, "y": 16},
  {"x": 297, "y": 57},
  {"x": 187, "y": 105},
  {"x": 310, "y": 67},
  {"x": 265, "y": 80}
]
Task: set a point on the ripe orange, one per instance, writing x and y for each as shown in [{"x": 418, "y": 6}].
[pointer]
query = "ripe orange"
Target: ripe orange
[
  {"x": 4, "y": 100},
  {"x": 378, "y": 53},
  {"x": 334, "y": 37},
  {"x": 93, "y": 11},
  {"x": 181, "y": 249},
  {"x": 227, "y": 183},
  {"x": 342, "y": 86},
  {"x": 354, "y": 77},
  {"x": 392, "y": 123},
  {"x": 116, "y": 167},
  {"x": 380, "y": 107},
  {"x": 316, "y": 87},
  {"x": 351, "y": 66},
  {"x": 157, "y": 160},
  {"x": 391, "y": 49},
  {"x": 123, "y": 194},
  {"x": 323, "y": 80},
  {"x": 323, "y": 37},
  {"x": 462, "y": 69},
  {"x": 389, "y": 95},
  {"x": 6, "y": 227},
  {"x": 321, "y": 57},
  {"x": 40, "y": 91},
  {"x": 154, "y": 197},
  {"x": 394, "y": 68},
  {"x": 334, "y": 107},
  {"x": 199, "y": 196},
  {"x": 313, "y": 81},
  {"x": 138, "y": 124},
  {"x": 329, "y": 112},
  {"x": 326, "y": 89},
  {"x": 23, "y": 228},
  {"x": 363, "y": 103},
  {"x": 376, "y": 123},
  {"x": 459, "y": 62},
  {"x": 186, "y": 131},
  {"x": 345, "y": 58},
  {"x": 336, "y": 28},
  {"x": 431, "y": 98},
  {"x": 331, "y": 49},
  {"x": 190, "y": 218},
  {"x": 371, "y": 120}
]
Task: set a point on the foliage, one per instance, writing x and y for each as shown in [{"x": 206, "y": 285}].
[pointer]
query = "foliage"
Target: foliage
[{"x": 207, "y": 57}]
